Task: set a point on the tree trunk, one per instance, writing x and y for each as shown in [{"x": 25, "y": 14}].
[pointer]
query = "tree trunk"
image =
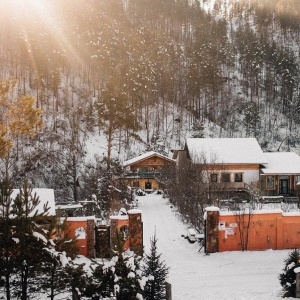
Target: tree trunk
[
  {"x": 24, "y": 283},
  {"x": 52, "y": 287},
  {"x": 7, "y": 286},
  {"x": 75, "y": 295}
]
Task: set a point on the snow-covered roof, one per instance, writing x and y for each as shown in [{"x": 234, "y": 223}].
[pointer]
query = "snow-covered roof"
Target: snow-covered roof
[
  {"x": 45, "y": 196},
  {"x": 225, "y": 151},
  {"x": 145, "y": 156},
  {"x": 283, "y": 163},
  {"x": 68, "y": 206}
]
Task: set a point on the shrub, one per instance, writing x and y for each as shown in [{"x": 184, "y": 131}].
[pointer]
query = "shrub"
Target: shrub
[{"x": 288, "y": 276}]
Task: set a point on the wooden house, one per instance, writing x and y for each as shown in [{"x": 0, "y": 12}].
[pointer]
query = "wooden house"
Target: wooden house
[{"x": 144, "y": 171}]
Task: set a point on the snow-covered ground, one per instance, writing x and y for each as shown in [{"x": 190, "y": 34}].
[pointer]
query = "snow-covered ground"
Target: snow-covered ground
[{"x": 196, "y": 276}]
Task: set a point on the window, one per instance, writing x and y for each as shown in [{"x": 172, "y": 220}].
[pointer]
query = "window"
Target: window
[
  {"x": 270, "y": 182},
  {"x": 136, "y": 184},
  {"x": 214, "y": 177},
  {"x": 225, "y": 177},
  {"x": 238, "y": 177}
]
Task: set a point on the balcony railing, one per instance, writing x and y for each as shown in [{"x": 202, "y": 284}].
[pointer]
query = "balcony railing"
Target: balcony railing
[
  {"x": 143, "y": 174},
  {"x": 233, "y": 185}
]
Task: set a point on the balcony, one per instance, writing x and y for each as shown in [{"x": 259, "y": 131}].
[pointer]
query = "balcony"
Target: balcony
[{"x": 143, "y": 175}]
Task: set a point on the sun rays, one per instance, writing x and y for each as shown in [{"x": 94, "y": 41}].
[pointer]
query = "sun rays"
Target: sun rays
[{"x": 41, "y": 27}]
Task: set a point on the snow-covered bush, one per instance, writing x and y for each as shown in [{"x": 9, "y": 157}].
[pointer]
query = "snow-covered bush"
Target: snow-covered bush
[{"x": 288, "y": 276}]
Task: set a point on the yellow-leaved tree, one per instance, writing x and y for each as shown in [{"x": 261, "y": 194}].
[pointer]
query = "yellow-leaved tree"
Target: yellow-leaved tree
[{"x": 18, "y": 119}]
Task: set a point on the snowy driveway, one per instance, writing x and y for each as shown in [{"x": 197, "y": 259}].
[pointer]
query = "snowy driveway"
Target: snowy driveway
[{"x": 195, "y": 276}]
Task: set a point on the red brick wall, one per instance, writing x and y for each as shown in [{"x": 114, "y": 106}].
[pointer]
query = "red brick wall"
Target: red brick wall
[{"x": 86, "y": 244}]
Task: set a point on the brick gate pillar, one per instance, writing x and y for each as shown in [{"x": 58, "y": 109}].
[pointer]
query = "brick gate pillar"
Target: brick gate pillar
[
  {"x": 211, "y": 229},
  {"x": 90, "y": 234},
  {"x": 136, "y": 231}
]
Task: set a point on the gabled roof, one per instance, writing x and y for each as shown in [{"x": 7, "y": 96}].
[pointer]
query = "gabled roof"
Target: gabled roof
[
  {"x": 283, "y": 163},
  {"x": 146, "y": 156},
  {"x": 225, "y": 151},
  {"x": 45, "y": 196}
]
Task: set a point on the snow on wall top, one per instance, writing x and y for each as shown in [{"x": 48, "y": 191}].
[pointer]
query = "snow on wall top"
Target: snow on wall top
[
  {"x": 79, "y": 219},
  {"x": 282, "y": 163},
  {"x": 145, "y": 156},
  {"x": 225, "y": 150},
  {"x": 45, "y": 195}
]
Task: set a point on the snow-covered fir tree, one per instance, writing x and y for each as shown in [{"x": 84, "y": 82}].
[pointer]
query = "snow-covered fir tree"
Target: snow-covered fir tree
[
  {"x": 126, "y": 277},
  {"x": 157, "y": 271},
  {"x": 197, "y": 130}
]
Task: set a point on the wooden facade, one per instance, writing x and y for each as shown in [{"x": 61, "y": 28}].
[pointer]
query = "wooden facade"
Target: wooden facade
[{"x": 145, "y": 171}]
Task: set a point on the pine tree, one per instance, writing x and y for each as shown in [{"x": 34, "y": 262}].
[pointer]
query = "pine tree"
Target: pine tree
[
  {"x": 7, "y": 242},
  {"x": 115, "y": 116},
  {"x": 30, "y": 238},
  {"x": 197, "y": 130},
  {"x": 123, "y": 273},
  {"x": 288, "y": 277},
  {"x": 59, "y": 249},
  {"x": 77, "y": 279},
  {"x": 156, "y": 270}
]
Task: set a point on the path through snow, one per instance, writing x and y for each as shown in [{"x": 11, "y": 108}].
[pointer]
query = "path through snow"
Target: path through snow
[{"x": 195, "y": 276}]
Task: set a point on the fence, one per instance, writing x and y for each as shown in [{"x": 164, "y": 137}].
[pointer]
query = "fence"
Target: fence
[{"x": 257, "y": 230}]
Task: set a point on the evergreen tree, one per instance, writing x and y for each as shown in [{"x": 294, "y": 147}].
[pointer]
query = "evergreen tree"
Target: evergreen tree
[
  {"x": 77, "y": 279},
  {"x": 156, "y": 271},
  {"x": 30, "y": 237},
  {"x": 252, "y": 118},
  {"x": 124, "y": 274},
  {"x": 197, "y": 130},
  {"x": 7, "y": 242},
  {"x": 115, "y": 116},
  {"x": 59, "y": 249},
  {"x": 288, "y": 276}
]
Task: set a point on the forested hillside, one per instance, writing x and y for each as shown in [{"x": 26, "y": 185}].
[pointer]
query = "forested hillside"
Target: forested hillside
[{"x": 142, "y": 72}]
